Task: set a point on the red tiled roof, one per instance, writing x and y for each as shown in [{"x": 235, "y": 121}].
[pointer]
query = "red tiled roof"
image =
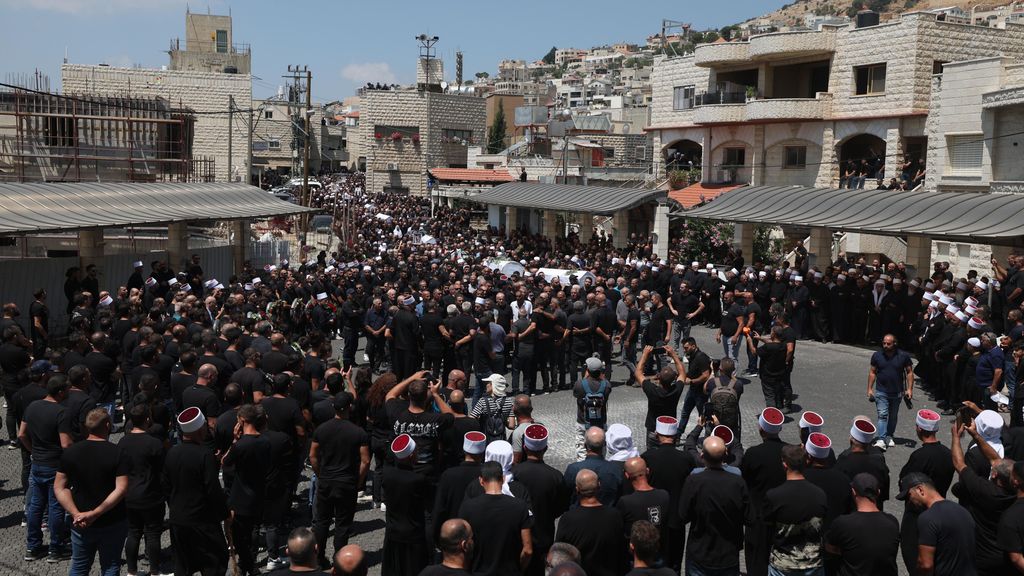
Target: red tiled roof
[
  {"x": 699, "y": 193},
  {"x": 471, "y": 175}
]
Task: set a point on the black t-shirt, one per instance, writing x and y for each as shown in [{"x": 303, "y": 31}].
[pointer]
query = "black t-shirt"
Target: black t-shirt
[
  {"x": 836, "y": 487},
  {"x": 145, "y": 455},
  {"x": 405, "y": 492},
  {"x": 250, "y": 457},
  {"x": 26, "y": 396},
  {"x": 496, "y": 520},
  {"x": 716, "y": 505},
  {"x": 194, "y": 496},
  {"x": 949, "y": 528},
  {"x": 340, "y": 442},
  {"x": 661, "y": 401},
  {"x": 274, "y": 362},
  {"x": 549, "y": 498},
  {"x": 92, "y": 468},
  {"x": 42, "y": 312},
  {"x": 283, "y": 415},
  {"x": 651, "y": 572},
  {"x": 772, "y": 357},
  {"x": 426, "y": 429},
  {"x": 313, "y": 368},
  {"x": 1011, "y": 528},
  {"x": 442, "y": 570},
  {"x": 668, "y": 470},
  {"x": 430, "y": 327},
  {"x": 201, "y": 397},
  {"x": 76, "y": 406},
  {"x": 656, "y": 329},
  {"x": 102, "y": 368},
  {"x": 45, "y": 421},
  {"x": 598, "y": 534},
  {"x": 869, "y": 542},
  {"x": 13, "y": 359},
  {"x": 180, "y": 381},
  {"x": 650, "y": 505},
  {"x": 482, "y": 349},
  {"x": 853, "y": 463},
  {"x": 699, "y": 364},
  {"x": 581, "y": 343},
  {"x": 934, "y": 460},
  {"x": 684, "y": 304},
  {"x": 795, "y": 512},
  {"x": 250, "y": 380},
  {"x": 731, "y": 319}
]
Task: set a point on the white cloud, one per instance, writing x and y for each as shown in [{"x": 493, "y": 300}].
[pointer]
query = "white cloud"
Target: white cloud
[{"x": 361, "y": 73}]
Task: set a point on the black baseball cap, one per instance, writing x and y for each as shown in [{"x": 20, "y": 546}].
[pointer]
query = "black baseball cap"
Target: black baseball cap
[
  {"x": 910, "y": 481},
  {"x": 342, "y": 401},
  {"x": 866, "y": 485}
]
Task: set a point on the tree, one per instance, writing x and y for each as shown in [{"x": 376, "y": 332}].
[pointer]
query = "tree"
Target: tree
[
  {"x": 496, "y": 134},
  {"x": 549, "y": 58},
  {"x": 481, "y": 75}
]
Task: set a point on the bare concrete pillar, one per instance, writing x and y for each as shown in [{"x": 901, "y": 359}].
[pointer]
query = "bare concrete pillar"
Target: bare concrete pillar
[
  {"x": 661, "y": 226},
  {"x": 919, "y": 254},
  {"x": 510, "y": 220},
  {"x": 239, "y": 243},
  {"x": 177, "y": 245},
  {"x": 90, "y": 251},
  {"x": 743, "y": 238},
  {"x": 586, "y": 220},
  {"x": 551, "y": 224},
  {"x": 820, "y": 249},
  {"x": 620, "y": 228}
]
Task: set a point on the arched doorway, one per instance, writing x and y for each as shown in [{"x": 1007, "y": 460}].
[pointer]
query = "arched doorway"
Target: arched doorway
[
  {"x": 683, "y": 155},
  {"x": 861, "y": 159}
]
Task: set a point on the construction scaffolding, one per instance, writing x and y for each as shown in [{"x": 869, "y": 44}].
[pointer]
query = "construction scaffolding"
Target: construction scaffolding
[{"x": 48, "y": 137}]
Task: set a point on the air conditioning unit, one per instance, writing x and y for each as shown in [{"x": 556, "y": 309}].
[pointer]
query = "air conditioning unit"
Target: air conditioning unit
[{"x": 393, "y": 166}]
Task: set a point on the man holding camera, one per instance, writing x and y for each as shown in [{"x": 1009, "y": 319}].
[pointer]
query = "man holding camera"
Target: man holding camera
[{"x": 891, "y": 370}]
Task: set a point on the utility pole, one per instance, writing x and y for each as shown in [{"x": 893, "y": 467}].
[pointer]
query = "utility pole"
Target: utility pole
[
  {"x": 231, "y": 132},
  {"x": 305, "y": 160},
  {"x": 295, "y": 74}
]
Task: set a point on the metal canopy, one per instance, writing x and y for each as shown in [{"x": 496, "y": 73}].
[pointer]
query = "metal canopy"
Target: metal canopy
[
  {"x": 568, "y": 198},
  {"x": 951, "y": 215},
  {"x": 66, "y": 206}
]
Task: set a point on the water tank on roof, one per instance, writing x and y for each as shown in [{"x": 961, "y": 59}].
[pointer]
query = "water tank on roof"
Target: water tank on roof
[
  {"x": 867, "y": 18},
  {"x": 234, "y": 69}
]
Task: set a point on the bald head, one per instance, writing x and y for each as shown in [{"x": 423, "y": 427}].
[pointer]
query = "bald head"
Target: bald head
[
  {"x": 635, "y": 467},
  {"x": 302, "y": 547},
  {"x": 454, "y": 533},
  {"x": 714, "y": 450},
  {"x": 456, "y": 397},
  {"x": 567, "y": 569},
  {"x": 594, "y": 440},
  {"x": 350, "y": 561},
  {"x": 587, "y": 483}
]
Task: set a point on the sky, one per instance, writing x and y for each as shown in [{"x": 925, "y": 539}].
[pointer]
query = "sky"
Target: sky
[{"x": 344, "y": 43}]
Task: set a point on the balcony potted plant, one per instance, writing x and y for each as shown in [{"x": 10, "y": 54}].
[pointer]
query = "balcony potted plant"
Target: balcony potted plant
[
  {"x": 396, "y": 136},
  {"x": 415, "y": 138},
  {"x": 378, "y": 136},
  {"x": 751, "y": 93}
]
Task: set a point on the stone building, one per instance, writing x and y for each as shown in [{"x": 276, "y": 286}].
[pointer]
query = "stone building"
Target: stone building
[
  {"x": 277, "y": 141},
  {"x": 406, "y": 132},
  {"x": 210, "y": 47},
  {"x": 207, "y": 94}
]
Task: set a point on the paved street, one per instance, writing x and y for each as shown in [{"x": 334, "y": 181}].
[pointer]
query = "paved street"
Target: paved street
[{"x": 828, "y": 379}]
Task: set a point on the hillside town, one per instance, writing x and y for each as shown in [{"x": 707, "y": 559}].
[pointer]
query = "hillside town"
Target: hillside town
[{"x": 646, "y": 308}]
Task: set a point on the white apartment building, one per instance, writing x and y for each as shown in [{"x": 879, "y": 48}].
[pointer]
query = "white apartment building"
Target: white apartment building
[{"x": 790, "y": 107}]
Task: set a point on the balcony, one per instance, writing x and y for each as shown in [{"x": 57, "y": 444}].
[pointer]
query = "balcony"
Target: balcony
[
  {"x": 719, "y": 107},
  {"x": 731, "y": 174},
  {"x": 786, "y": 45},
  {"x": 818, "y": 108},
  {"x": 722, "y": 53}
]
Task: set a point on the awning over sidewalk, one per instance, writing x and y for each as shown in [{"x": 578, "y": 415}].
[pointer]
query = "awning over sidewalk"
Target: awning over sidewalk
[
  {"x": 568, "y": 197},
  {"x": 70, "y": 206},
  {"x": 950, "y": 215}
]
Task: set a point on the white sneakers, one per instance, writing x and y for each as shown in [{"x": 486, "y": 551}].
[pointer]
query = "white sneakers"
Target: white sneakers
[{"x": 880, "y": 444}]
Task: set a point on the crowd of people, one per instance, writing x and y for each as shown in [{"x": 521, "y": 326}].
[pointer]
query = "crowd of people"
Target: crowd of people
[{"x": 230, "y": 394}]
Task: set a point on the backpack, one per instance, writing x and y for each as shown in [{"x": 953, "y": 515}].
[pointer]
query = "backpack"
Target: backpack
[
  {"x": 595, "y": 411},
  {"x": 492, "y": 424},
  {"x": 725, "y": 402}
]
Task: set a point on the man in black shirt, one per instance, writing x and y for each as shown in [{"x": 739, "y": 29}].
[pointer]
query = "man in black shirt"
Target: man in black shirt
[
  {"x": 104, "y": 372},
  {"x": 425, "y": 426},
  {"x": 795, "y": 512},
  {"x": 195, "y": 500},
  {"x": 249, "y": 455},
  {"x": 644, "y": 503},
  {"x": 43, "y": 436},
  {"x": 662, "y": 392},
  {"x": 405, "y": 491},
  {"x": 549, "y": 497},
  {"x": 503, "y": 522},
  {"x": 716, "y": 505},
  {"x": 668, "y": 470},
  {"x": 730, "y": 333},
  {"x": 861, "y": 458},
  {"x": 934, "y": 460},
  {"x": 945, "y": 542},
  {"x": 594, "y": 529},
  {"x": 698, "y": 370},
  {"x": 39, "y": 313},
  {"x": 771, "y": 355},
  {"x": 201, "y": 396},
  {"x": 144, "y": 498},
  {"x": 483, "y": 358},
  {"x": 78, "y": 402},
  {"x": 866, "y": 539},
  {"x": 340, "y": 457},
  {"x": 13, "y": 359},
  {"x": 1011, "y": 524},
  {"x": 646, "y": 544},
  {"x": 302, "y": 554},
  {"x": 451, "y": 487},
  {"x": 90, "y": 485},
  {"x": 457, "y": 547},
  {"x": 250, "y": 377},
  {"x": 762, "y": 470},
  {"x": 581, "y": 332}
]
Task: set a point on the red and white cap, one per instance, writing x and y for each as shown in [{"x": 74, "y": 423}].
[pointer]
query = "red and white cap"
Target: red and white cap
[
  {"x": 723, "y": 432},
  {"x": 474, "y": 443},
  {"x": 666, "y": 426},
  {"x": 976, "y": 323},
  {"x": 812, "y": 421},
  {"x": 151, "y": 282},
  {"x": 863, "y": 430},
  {"x": 771, "y": 420},
  {"x": 403, "y": 446},
  {"x": 928, "y": 420},
  {"x": 535, "y": 438},
  {"x": 971, "y": 301},
  {"x": 191, "y": 419},
  {"x": 818, "y": 445}
]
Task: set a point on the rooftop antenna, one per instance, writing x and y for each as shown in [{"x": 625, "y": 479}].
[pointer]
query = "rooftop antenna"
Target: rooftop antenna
[
  {"x": 427, "y": 53},
  {"x": 65, "y": 54}
]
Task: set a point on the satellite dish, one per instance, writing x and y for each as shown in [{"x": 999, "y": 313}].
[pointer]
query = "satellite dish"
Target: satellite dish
[{"x": 444, "y": 86}]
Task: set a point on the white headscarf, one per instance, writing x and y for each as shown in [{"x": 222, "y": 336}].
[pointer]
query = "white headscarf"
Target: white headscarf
[
  {"x": 620, "y": 443},
  {"x": 990, "y": 426},
  {"x": 500, "y": 451}
]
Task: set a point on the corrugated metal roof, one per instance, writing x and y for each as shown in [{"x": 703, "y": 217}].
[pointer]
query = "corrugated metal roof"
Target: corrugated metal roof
[
  {"x": 48, "y": 207},
  {"x": 567, "y": 197},
  {"x": 951, "y": 215}
]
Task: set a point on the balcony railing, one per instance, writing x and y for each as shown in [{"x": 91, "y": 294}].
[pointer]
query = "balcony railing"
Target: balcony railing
[
  {"x": 211, "y": 46},
  {"x": 731, "y": 174},
  {"x": 714, "y": 98}
]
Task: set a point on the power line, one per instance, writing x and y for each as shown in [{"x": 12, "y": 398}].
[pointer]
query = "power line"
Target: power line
[{"x": 128, "y": 106}]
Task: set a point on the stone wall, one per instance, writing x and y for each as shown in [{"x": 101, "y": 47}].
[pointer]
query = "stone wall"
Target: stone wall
[
  {"x": 624, "y": 147},
  {"x": 199, "y": 91}
]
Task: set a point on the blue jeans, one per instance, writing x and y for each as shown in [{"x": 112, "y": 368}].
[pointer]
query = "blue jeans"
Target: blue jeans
[
  {"x": 107, "y": 540},
  {"x": 819, "y": 571},
  {"x": 40, "y": 498},
  {"x": 888, "y": 407},
  {"x": 680, "y": 332},
  {"x": 694, "y": 398},
  {"x": 732, "y": 350},
  {"x": 694, "y": 569}
]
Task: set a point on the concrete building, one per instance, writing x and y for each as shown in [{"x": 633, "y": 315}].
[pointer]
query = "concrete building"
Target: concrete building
[
  {"x": 564, "y": 56},
  {"x": 210, "y": 47},
  {"x": 406, "y": 132},
  {"x": 790, "y": 108},
  {"x": 277, "y": 141},
  {"x": 509, "y": 103}
]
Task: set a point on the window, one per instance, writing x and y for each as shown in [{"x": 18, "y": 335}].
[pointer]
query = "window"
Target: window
[
  {"x": 869, "y": 79},
  {"x": 735, "y": 157},
  {"x": 794, "y": 157},
  {"x": 682, "y": 97},
  {"x": 273, "y": 144},
  {"x": 937, "y": 66},
  {"x": 268, "y": 114},
  {"x": 457, "y": 136},
  {"x": 964, "y": 152},
  {"x": 609, "y": 152},
  {"x": 640, "y": 153},
  {"x": 386, "y": 132},
  {"x": 222, "y": 41}
]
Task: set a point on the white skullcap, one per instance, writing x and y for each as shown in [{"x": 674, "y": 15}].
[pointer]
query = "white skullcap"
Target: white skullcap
[
  {"x": 666, "y": 426},
  {"x": 403, "y": 446},
  {"x": 191, "y": 420},
  {"x": 474, "y": 443},
  {"x": 818, "y": 445},
  {"x": 812, "y": 421},
  {"x": 863, "y": 431},
  {"x": 928, "y": 420},
  {"x": 974, "y": 342},
  {"x": 771, "y": 420}
]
